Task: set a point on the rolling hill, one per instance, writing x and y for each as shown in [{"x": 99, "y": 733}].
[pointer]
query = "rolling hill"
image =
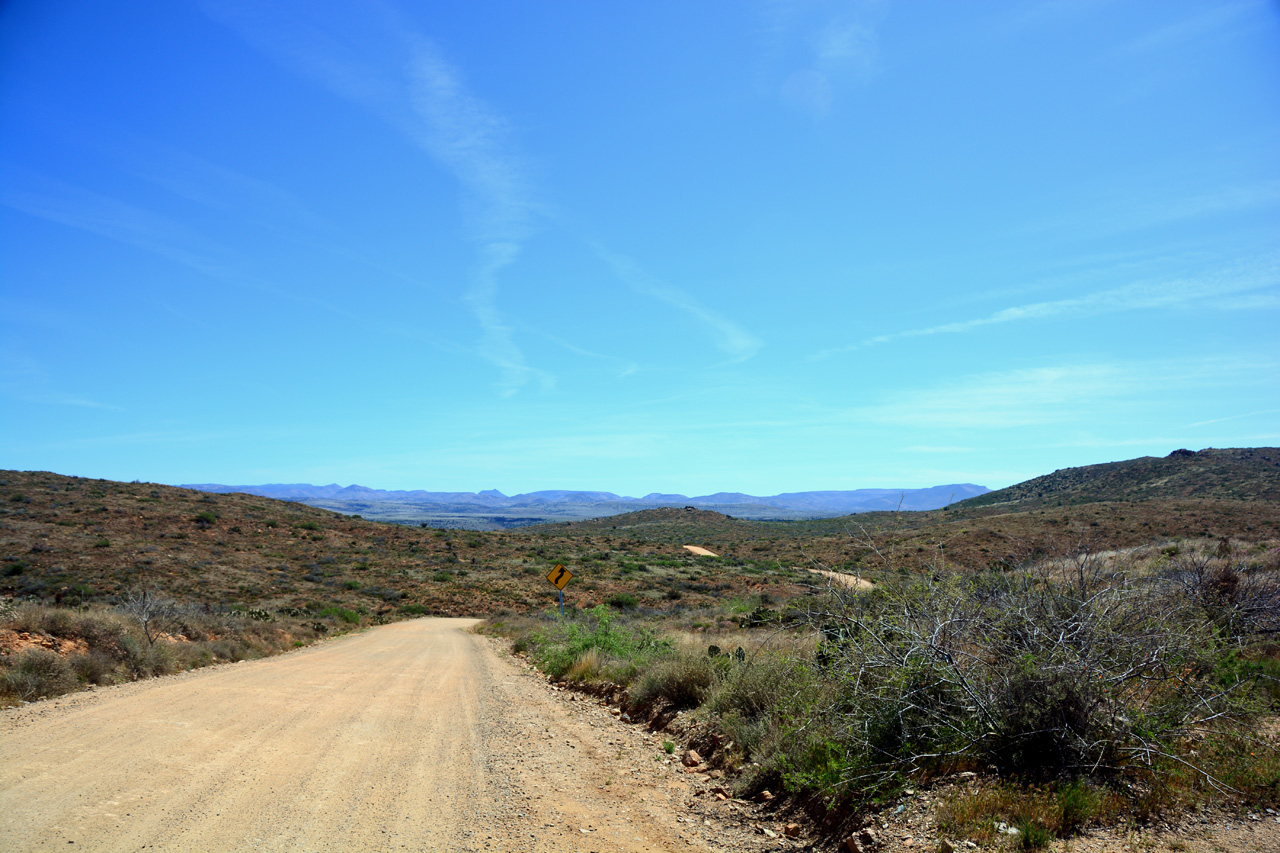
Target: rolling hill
[{"x": 1234, "y": 474}]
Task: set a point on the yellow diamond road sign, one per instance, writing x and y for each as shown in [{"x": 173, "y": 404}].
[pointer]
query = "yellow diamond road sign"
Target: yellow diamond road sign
[{"x": 560, "y": 577}]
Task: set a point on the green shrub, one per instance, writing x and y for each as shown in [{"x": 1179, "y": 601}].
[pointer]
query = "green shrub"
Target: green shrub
[
  {"x": 341, "y": 614},
  {"x": 1077, "y": 806},
  {"x": 36, "y": 673},
  {"x": 96, "y": 667},
  {"x": 148, "y": 660},
  {"x": 556, "y": 649},
  {"x": 684, "y": 679},
  {"x": 1044, "y": 675},
  {"x": 1032, "y": 836},
  {"x": 623, "y": 601}
]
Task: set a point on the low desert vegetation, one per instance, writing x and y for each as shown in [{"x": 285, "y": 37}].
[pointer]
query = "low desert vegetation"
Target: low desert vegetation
[
  {"x": 52, "y": 650},
  {"x": 1066, "y": 690},
  {"x": 1035, "y": 683}
]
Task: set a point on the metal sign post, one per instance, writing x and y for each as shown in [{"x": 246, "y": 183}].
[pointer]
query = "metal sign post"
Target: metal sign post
[{"x": 559, "y": 578}]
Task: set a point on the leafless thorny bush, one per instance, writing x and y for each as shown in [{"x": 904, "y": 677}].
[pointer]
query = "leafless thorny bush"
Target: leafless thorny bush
[
  {"x": 1062, "y": 669},
  {"x": 1242, "y": 599},
  {"x": 152, "y": 612}
]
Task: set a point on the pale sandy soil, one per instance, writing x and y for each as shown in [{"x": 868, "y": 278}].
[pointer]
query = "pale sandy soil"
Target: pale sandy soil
[
  {"x": 414, "y": 736},
  {"x": 699, "y": 550},
  {"x": 851, "y": 581}
]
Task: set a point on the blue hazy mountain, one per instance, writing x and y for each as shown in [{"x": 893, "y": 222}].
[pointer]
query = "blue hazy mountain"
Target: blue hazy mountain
[{"x": 492, "y": 509}]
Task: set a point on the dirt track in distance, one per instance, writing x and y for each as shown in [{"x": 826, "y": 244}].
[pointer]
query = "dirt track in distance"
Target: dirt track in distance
[{"x": 413, "y": 736}]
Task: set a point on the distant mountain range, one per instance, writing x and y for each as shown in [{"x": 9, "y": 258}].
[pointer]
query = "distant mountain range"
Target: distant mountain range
[{"x": 491, "y": 509}]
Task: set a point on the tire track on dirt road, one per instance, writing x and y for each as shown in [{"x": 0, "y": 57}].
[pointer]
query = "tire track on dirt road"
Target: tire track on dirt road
[{"x": 412, "y": 736}]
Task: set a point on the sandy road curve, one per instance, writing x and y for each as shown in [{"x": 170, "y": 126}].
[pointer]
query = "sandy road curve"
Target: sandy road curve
[{"x": 413, "y": 736}]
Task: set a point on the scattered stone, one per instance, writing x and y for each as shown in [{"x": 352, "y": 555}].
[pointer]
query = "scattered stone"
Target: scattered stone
[
  {"x": 691, "y": 758},
  {"x": 764, "y": 797},
  {"x": 716, "y": 774},
  {"x": 769, "y": 832},
  {"x": 945, "y": 846},
  {"x": 851, "y": 845},
  {"x": 867, "y": 837},
  {"x": 791, "y": 830}
]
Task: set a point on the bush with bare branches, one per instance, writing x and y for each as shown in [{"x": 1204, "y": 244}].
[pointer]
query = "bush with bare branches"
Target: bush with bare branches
[{"x": 1071, "y": 669}]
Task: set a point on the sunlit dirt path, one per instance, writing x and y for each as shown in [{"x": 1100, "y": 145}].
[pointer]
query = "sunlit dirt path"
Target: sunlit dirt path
[{"x": 413, "y": 736}]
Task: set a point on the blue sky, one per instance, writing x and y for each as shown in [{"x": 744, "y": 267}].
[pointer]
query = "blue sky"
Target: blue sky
[{"x": 665, "y": 246}]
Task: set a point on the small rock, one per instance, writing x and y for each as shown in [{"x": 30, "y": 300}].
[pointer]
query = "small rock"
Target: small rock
[
  {"x": 691, "y": 758},
  {"x": 769, "y": 832},
  {"x": 945, "y": 846},
  {"x": 764, "y": 797},
  {"x": 791, "y": 830},
  {"x": 617, "y": 712},
  {"x": 716, "y": 774},
  {"x": 867, "y": 837},
  {"x": 851, "y": 845}
]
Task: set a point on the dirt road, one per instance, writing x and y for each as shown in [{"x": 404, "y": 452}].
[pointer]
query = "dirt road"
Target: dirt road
[{"x": 413, "y": 736}]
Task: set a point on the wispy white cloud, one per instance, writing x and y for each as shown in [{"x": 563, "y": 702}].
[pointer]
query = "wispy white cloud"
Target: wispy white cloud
[
  {"x": 1193, "y": 28},
  {"x": 1225, "y": 290},
  {"x": 369, "y": 54},
  {"x": 76, "y": 207},
  {"x": 817, "y": 47},
  {"x": 1015, "y": 398},
  {"x": 624, "y": 367},
  {"x": 75, "y": 401},
  {"x": 24, "y": 380},
  {"x": 1230, "y": 418},
  {"x": 213, "y": 185},
  {"x": 1061, "y": 394},
  {"x": 734, "y": 341}
]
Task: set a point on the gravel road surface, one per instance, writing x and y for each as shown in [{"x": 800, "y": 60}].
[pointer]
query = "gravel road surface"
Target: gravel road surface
[{"x": 412, "y": 736}]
